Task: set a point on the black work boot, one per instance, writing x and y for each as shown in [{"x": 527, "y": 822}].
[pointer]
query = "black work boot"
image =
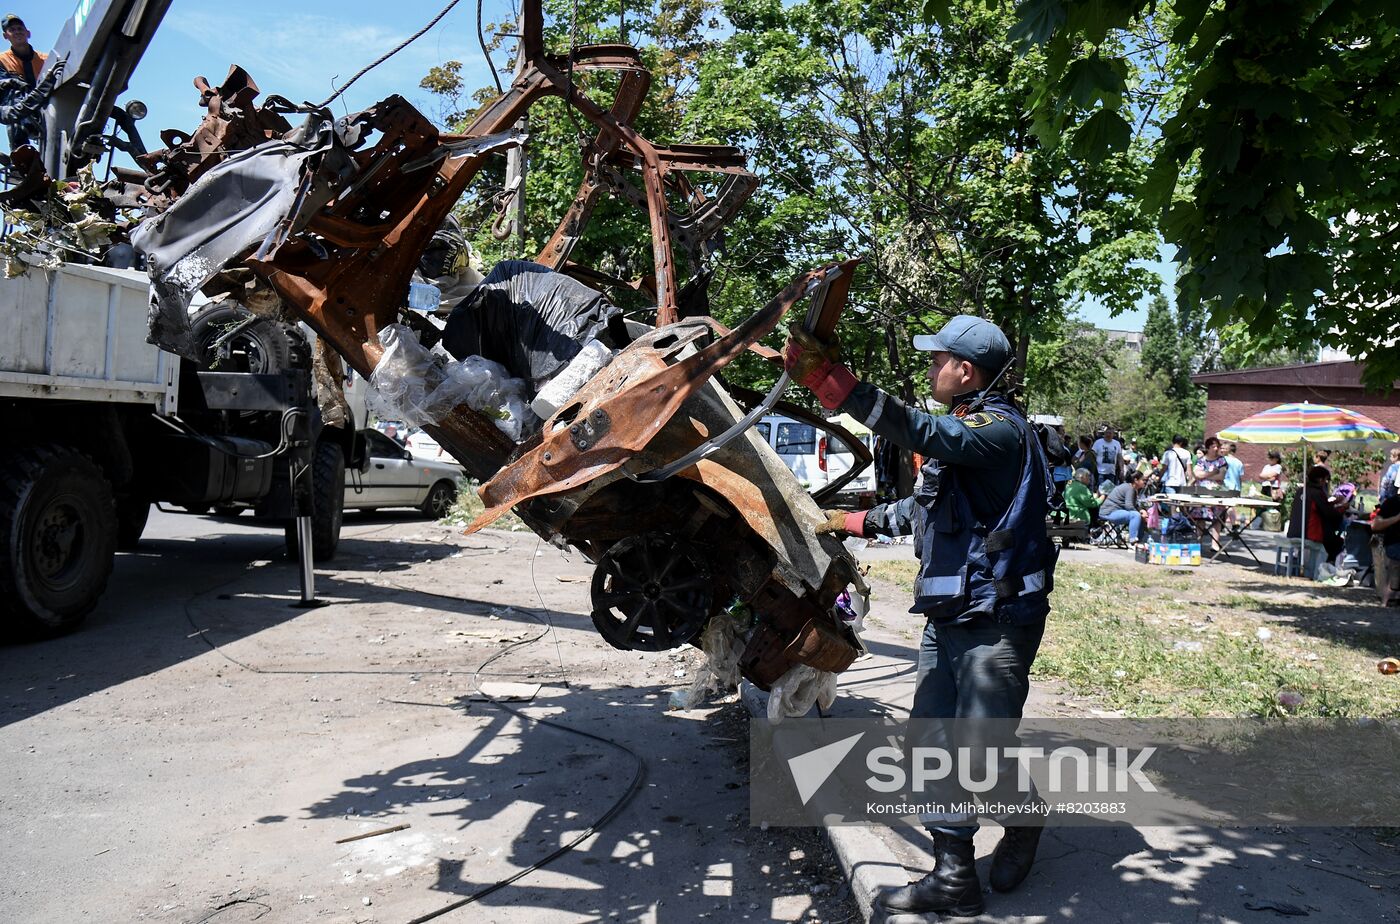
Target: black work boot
[
  {"x": 951, "y": 889},
  {"x": 1012, "y": 861}
]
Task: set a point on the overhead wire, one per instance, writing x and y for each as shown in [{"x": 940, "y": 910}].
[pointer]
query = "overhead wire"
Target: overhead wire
[
  {"x": 389, "y": 54},
  {"x": 486, "y": 52}
]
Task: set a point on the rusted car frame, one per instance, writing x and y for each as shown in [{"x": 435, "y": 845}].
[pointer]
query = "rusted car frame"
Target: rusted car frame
[{"x": 671, "y": 553}]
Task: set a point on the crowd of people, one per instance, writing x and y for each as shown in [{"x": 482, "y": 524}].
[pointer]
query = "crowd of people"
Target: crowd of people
[{"x": 1105, "y": 478}]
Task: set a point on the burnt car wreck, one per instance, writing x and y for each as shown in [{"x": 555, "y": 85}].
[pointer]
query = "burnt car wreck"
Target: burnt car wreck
[{"x": 650, "y": 467}]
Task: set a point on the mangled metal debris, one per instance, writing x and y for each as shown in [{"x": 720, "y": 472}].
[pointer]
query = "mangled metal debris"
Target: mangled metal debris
[{"x": 649, "y": 468}]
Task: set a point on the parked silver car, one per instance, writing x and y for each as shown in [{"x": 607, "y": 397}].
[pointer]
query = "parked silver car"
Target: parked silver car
[{"x": 396, "y": 477}]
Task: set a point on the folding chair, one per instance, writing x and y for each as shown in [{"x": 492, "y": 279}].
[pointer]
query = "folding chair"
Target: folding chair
[
  {"x": 1106, "y": 534},
  {"x": 1059, "y": 525}
]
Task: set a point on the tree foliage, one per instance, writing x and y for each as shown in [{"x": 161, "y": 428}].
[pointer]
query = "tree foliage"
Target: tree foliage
[
  {"x": 1067, "y": 374},
  {"x": 1274, "y": 172},
  {"x": 874, "y": 134}
]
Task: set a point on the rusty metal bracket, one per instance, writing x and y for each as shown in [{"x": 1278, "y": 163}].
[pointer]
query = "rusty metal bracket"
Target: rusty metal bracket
[{"x": 593, "y": 427}]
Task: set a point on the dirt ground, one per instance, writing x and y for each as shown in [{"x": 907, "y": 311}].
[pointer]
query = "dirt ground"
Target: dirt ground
[{"x": 199, "y": 749}]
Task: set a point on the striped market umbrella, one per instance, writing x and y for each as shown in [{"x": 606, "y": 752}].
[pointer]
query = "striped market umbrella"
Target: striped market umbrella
[
  {"x": 1319, "y": 425},
  {"x": 1305, "y": 425}
]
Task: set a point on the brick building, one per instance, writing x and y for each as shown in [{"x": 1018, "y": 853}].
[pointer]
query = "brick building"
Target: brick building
[{"x": 1233, "y": 396}]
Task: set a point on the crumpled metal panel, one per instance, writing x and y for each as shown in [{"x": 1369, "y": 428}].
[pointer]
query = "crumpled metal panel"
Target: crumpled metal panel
[
  {"x": 620, "y": 410},
  {"x": 232, "y": 208}
]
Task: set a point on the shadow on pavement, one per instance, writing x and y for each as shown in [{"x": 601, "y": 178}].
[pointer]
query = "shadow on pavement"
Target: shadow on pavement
[
  {"x": 517, "y": 790},
  {"x": 143, "y": 623}
]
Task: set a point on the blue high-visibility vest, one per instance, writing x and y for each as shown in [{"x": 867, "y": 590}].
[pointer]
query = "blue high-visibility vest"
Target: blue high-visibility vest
[{"x": 968, "y": 567}]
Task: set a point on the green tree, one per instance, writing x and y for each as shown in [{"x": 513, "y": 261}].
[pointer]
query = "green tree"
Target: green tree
[
  {"x": 1067, "y": 374},
  {"x": 875, "y": 134},
  {"x": 1166, "y": 352},
  {"x": 1141, "y": 405},
  {"x": 1275, "y": 174}
]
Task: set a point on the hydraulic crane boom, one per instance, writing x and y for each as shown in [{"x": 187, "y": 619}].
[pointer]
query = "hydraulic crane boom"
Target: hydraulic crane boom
[{"x": 102, "y": 43}]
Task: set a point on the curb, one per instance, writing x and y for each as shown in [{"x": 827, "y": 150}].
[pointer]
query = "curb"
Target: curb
[{"x": 868, "y": 865}]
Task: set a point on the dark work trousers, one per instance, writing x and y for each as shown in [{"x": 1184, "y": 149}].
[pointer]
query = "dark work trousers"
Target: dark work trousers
[{"x": 973, "y": 670}]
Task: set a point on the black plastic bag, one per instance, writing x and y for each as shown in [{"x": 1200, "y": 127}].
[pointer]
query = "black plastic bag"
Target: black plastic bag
[{"x": 528, "y": 318}]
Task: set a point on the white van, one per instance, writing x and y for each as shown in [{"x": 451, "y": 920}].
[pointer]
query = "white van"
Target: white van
[{"x": 818, "y": 458}]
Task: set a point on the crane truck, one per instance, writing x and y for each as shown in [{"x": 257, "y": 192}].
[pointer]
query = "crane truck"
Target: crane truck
[{"x": 101, "y": 424}]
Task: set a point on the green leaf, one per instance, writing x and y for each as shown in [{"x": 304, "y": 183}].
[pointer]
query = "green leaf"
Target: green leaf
[
  {"x": 1092, "y": 79},
  {"x": 1191, "y": 12},
  {"x": 937, "y": 10},
  {"x": 1157, "y": 186},
  {"x": 1103, "y": 132},
  {"x": 1037, "y": 20}
]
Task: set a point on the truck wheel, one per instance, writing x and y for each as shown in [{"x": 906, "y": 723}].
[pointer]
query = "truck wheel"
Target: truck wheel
[
  {"x": 58, "y": 531},
  {"x": 439, "y": 500},
  {"x": 327, "y": 503},
  {"x": 264, "y": 346},
  {"x": 132, "y": 513}
]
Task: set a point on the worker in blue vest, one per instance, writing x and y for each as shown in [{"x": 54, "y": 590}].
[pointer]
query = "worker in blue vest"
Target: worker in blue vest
[{"x": 986, "y": 571}]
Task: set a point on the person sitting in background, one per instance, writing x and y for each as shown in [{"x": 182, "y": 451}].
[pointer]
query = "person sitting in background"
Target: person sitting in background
[
  {"x": 1121, "y": 506},
  {"x": 1154, "y": 472},
  {"x": 1079, "y": 498},
  {"x": 1271, "y": 475},
  {"x": 1321, "y": 521},
  {"x": 1390, "y": 481}
]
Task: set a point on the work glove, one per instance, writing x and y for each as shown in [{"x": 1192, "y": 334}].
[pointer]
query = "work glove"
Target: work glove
[
  {"x": 816, "y": 365},
  {"x": 841, "y": 521}
]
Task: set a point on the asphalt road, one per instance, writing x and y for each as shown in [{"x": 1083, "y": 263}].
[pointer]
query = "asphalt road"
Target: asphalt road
[{"x": 195, "y": 751}]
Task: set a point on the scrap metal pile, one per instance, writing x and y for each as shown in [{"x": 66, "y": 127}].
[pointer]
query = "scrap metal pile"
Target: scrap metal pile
[{"x": 651, "y": 468}]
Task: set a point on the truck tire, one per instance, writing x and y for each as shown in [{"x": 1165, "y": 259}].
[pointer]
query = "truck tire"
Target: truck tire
[
  {"x": 439, "y": 500},
  {"x": 132, "y": 513},
  {"x": 327, "y": 503},
  {"x": 58, "y": 532},
  {"x": 264, "y": 346}
]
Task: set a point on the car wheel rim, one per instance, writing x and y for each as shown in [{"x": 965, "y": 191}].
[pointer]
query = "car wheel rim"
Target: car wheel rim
[{"x": 651, "y": 593}]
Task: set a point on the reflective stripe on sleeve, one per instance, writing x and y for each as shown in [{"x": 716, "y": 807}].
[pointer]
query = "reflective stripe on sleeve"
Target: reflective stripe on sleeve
[
  {"x": 877, "y": 410},
  {"x": 946, "y": 585}
]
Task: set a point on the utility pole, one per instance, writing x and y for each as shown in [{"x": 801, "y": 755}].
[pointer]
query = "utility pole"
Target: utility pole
[{"x": 516, "y": 168}]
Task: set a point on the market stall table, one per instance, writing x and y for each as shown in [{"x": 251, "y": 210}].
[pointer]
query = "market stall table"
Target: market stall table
[{"x": 1203, "y": 511}]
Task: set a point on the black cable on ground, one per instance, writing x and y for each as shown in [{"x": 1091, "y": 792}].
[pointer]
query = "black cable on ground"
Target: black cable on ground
[
  {"x": 639, "y": 765},
  {"x": 389, "y": 54}
]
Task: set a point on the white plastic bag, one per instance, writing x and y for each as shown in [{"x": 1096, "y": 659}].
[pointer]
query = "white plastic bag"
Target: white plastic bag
[
  {"x": 722, "y": 645},
  {"x": 794, "y": 693},
  {"x": 418, "y": 387}
]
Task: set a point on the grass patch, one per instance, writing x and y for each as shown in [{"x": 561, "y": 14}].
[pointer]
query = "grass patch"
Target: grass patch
[
  {"x": 1152, "y": 642},
  {"x": 469, "y": 506}
]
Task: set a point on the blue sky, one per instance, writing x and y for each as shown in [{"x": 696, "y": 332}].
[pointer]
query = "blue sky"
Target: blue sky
[
  {"x": 304, "y": 50},
  {"x": 295, "y": 49}
]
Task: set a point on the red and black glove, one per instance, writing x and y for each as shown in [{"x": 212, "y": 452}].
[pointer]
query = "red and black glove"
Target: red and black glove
[
  {"x": 816, "y": 365},
  {"x": 852, "y": 523}
]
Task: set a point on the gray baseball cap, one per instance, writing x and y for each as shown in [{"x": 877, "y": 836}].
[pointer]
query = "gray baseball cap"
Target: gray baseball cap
[{"x": 978, "y": 341}]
